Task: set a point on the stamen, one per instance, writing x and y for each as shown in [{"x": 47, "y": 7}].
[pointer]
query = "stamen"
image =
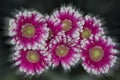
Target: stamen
[
  {"x": 32, "y": 56},
  {"x": 67, "y": 25},
  {"x": 86, "y": 33},
  {"x": 50, "y": 34},
  {"x": 96, "y": 53},
  {"x": 28, "y": 31},
  {"x": 62, "y": 51}
]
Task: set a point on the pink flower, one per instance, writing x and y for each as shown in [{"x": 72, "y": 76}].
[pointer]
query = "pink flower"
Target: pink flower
[
  {"x": 91, "y": 27},
  {"x": 32, "y": 62},
  {"x": 98, "y": 55},
  {"x": 64, "y": 51},
  {"x": 28, "y": 30},
  {"x": 54, "y": 26},
  {"x": 71, "y": 21}
]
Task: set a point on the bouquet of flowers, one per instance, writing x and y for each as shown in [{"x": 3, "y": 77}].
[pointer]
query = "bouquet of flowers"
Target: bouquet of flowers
[{"x": 65, "y": 38}]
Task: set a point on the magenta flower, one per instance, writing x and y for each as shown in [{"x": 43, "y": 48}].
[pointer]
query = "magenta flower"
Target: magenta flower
[
  {"x": 64, "y": 51},
  {"x": 28, "y": 30},
  {"x": 71, "y": 21},
  {"x": 91, "y": 27},
  {"x": 54, "y": 26},
  {"x": 32, "y": 62},
  {"x": 98, "y": 55}
]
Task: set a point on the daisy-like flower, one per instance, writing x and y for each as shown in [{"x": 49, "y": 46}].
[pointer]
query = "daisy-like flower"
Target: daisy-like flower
[
  {"x": 70, "y": 19},
  {"x": 54, "y": 26},
  {"x": 98, "y": 55},
  {"x": 32, "y": 62},
  {"x": 28, "y": 30},
  {"x": 91, "y": 27},
  {"x": 64, "y": 51}
]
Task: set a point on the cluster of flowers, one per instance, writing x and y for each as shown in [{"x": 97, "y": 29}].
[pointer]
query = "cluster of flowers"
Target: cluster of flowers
[{"x": 64, "y": 38}]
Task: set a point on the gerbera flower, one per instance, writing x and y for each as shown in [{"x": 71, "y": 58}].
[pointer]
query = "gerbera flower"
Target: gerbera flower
[
  {"x": 98, "y": 55},
  {"x": 32, "y": 62},
  {"x": 64, "y": 51},
  {"x": 54, "y": 26},
  {"x": 28, "y": 30},
  {"x": 70, "y": 19},
  {"x": 91, "y": 27}
]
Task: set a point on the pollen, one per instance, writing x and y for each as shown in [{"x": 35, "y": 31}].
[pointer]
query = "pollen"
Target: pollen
[
  {"x": 67, "y": 25},
  {"x": 32, "y": 56},
  {"x": 50, "y": 34},
  {"x": 62, "y": 51},
  {"x": 28, "y": 31},
  {"x": 96, "y": 53},
  {"x": 86, "y": 33}
]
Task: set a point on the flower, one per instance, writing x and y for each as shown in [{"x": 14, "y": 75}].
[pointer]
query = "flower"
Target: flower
[
  {"x": 28, "y": 30},
  {"x": 71, "y": 21},
  {"x": 31, "y": 61},
  {"x": 91, "y": 27},
  {"x": 54, "y": 26},
  {"x": 98, "y": 55},
  {"x": 64, "y": 51}
]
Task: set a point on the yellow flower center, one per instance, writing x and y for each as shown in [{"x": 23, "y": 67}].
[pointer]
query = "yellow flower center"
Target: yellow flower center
[
  {"x": 32, "y": 56},
  {"x": 28, "y": 31},
  {"x": 67, "y": 25},
  {"x": 86, "y": 33},
  {"x": 62, "y": 51},
  {"x": 50, "y": 34},
  {"x": 96, "y": 54}
]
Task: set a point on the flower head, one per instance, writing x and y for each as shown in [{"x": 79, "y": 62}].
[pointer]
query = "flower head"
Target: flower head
[
  {"x": 71, "y": 21},
  {"x": 28, "y": 30},
  {"x": 91, "y": 27},
  {"x": 64, "y": 51},
  {"x": 54, "y": 26},
  {"x": 98, "y": 55},
  {"x": 32, "y": 62}
]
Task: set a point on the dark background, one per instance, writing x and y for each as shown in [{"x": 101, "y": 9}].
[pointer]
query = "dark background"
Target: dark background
[{"x": 107, "y": 9}]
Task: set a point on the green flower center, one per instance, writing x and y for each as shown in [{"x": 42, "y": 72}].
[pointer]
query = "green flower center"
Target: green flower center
[
  {"x": 96, "y": 53},
  {"x": 62, "y": 51},
  {"x": 86, "y": 33},
  {"x": 28, "y": 31},
  {"x": 32, "y": 56},
  {"x": 67, "y": 25}
]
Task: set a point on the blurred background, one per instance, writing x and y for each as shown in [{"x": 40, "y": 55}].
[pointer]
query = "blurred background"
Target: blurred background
[{"x": 109, "y": 10}]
